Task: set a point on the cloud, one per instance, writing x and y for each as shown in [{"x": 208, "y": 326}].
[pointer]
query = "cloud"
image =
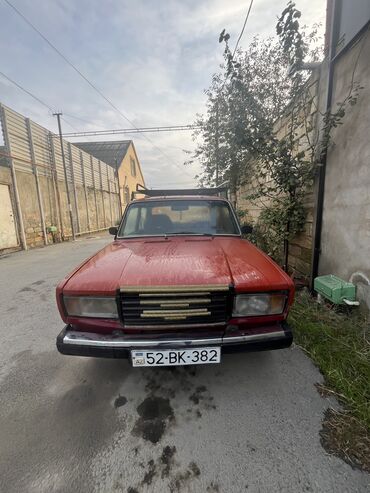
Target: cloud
[{"x": 152, "y": 59}]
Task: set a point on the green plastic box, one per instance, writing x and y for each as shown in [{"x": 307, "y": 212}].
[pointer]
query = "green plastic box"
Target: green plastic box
[{"x": 335, "y": 289}]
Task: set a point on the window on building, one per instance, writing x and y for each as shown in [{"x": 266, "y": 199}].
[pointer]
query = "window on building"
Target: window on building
[{"x": 133, "y": 166}]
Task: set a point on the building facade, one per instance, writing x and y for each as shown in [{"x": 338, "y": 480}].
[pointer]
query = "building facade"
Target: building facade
[
  {"x": 344, "y": 240},
  {"x": 122, "y": 156}
]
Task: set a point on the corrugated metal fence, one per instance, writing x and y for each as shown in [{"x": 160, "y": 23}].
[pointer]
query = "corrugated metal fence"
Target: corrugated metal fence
[{"x": 39, "y": 190}]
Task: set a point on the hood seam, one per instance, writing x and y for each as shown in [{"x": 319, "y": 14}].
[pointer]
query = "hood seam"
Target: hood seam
[{"x": 228, "y": 265}]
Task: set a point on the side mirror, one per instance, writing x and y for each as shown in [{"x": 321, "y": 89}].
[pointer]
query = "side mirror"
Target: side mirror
[
  {"x": 113, "y": 230},
  {"x": 247, "y": 229}
]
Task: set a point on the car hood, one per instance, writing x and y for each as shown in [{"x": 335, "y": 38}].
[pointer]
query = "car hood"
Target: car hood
[{"x": 177, "y": 261}]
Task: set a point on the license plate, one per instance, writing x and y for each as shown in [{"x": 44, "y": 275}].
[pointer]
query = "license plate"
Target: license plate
[{"x": 176, "y": 357}]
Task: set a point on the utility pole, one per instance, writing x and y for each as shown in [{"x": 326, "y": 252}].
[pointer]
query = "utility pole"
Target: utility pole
[{"x": 58, "y": 115}]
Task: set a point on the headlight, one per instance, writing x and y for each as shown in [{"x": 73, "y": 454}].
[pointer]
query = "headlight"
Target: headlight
[
  {"x": 88, "y": 306},
  {"x": 246, "y": 305}
]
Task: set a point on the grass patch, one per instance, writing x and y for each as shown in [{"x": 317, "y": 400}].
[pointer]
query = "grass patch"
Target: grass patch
[
  {"x": 339, "y": 343},
  {"x": 343, "y": 435}
]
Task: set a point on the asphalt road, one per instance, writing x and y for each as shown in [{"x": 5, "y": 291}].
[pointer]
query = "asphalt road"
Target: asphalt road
[{"x": 71, "y": 424}]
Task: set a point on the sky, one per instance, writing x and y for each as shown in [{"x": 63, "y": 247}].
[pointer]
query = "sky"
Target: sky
[{"x": 152, "y": 59}]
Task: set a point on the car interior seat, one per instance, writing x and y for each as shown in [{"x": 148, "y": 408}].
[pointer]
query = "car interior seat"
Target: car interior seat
[{"x": 158, "y": 224}]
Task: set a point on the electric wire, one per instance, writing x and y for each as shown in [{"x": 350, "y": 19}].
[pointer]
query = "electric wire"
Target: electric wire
[
  {"x": 141, "y": 130},
  {"x": 238, "y": 41},
  {"x": 81, "y": 120},
  {"x": 40, "y": 101},
  {"x": 242, "y": 31},
  {"x": 25, "y": 91},
  {"x": 89, "y": 82},
  {"x": 36, "y": 98}
]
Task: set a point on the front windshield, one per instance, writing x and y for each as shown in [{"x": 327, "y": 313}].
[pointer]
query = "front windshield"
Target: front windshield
[{"x": 176, "y": 217}]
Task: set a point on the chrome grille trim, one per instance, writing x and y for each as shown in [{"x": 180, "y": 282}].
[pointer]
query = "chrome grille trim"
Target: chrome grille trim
[
  {"x": 186, "y": 301},
  {"x": 161, "y": 305},
  {"x": 172, "y": 294},
  {"x": 174, "y": 325},
  {"x": 176, "y": 312}
]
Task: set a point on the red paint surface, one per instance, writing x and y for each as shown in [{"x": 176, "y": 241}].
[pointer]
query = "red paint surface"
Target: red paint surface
[{"x": 174, "y": 261}]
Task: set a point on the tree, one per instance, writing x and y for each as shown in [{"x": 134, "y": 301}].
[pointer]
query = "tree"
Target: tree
[
  {"x": 237, "y": 139},
  {"x": 243, "y": 102}
]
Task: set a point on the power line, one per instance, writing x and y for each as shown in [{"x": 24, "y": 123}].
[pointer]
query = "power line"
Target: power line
[
  {"x": 80, "y": 119},
  {"x": 221, "y": 89},
  {"x": 36, "y": 98},
  {"x": 239, "y": 38},
  {"x": 168, "y": 128},
  {"x": 26, "y": 91},
  {"x": 87, "y": 80},
  {"x": 40, "y": 101},
  {"x": 242, "y": 31},
  {"x": 64, "y": 58},
  {"x": 70, "y": 124}
]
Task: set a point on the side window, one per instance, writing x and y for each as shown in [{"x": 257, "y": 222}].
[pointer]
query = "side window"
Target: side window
[
  {"x": 133, "y": 166},
  {"x": 142, "y": 218},
  {"x": 131, "y": 221}
]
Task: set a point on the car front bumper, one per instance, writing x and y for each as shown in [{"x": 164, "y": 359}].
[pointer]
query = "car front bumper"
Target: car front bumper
[{"x": 77, "y": 343}]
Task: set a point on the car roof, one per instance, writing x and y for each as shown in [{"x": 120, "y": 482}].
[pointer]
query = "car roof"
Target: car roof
[{"x": 181, "y": 197}]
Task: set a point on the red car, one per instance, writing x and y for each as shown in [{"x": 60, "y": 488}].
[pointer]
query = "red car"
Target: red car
[{"x": 178, "y": 285}]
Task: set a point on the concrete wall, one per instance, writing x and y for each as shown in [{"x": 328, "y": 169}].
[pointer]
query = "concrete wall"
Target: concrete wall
[
  {"x": 6, "y": 179},
  {"x": 35, "y": 154},
  {"x": 100, "y": 217},
  {"x": 5, "y": 176},
  {"x": 30, "y": 208},
  {"x": 346, "y": 220}
]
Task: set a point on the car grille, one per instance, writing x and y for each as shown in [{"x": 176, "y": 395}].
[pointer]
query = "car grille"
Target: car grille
[{"x": 174, "y": 305}]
